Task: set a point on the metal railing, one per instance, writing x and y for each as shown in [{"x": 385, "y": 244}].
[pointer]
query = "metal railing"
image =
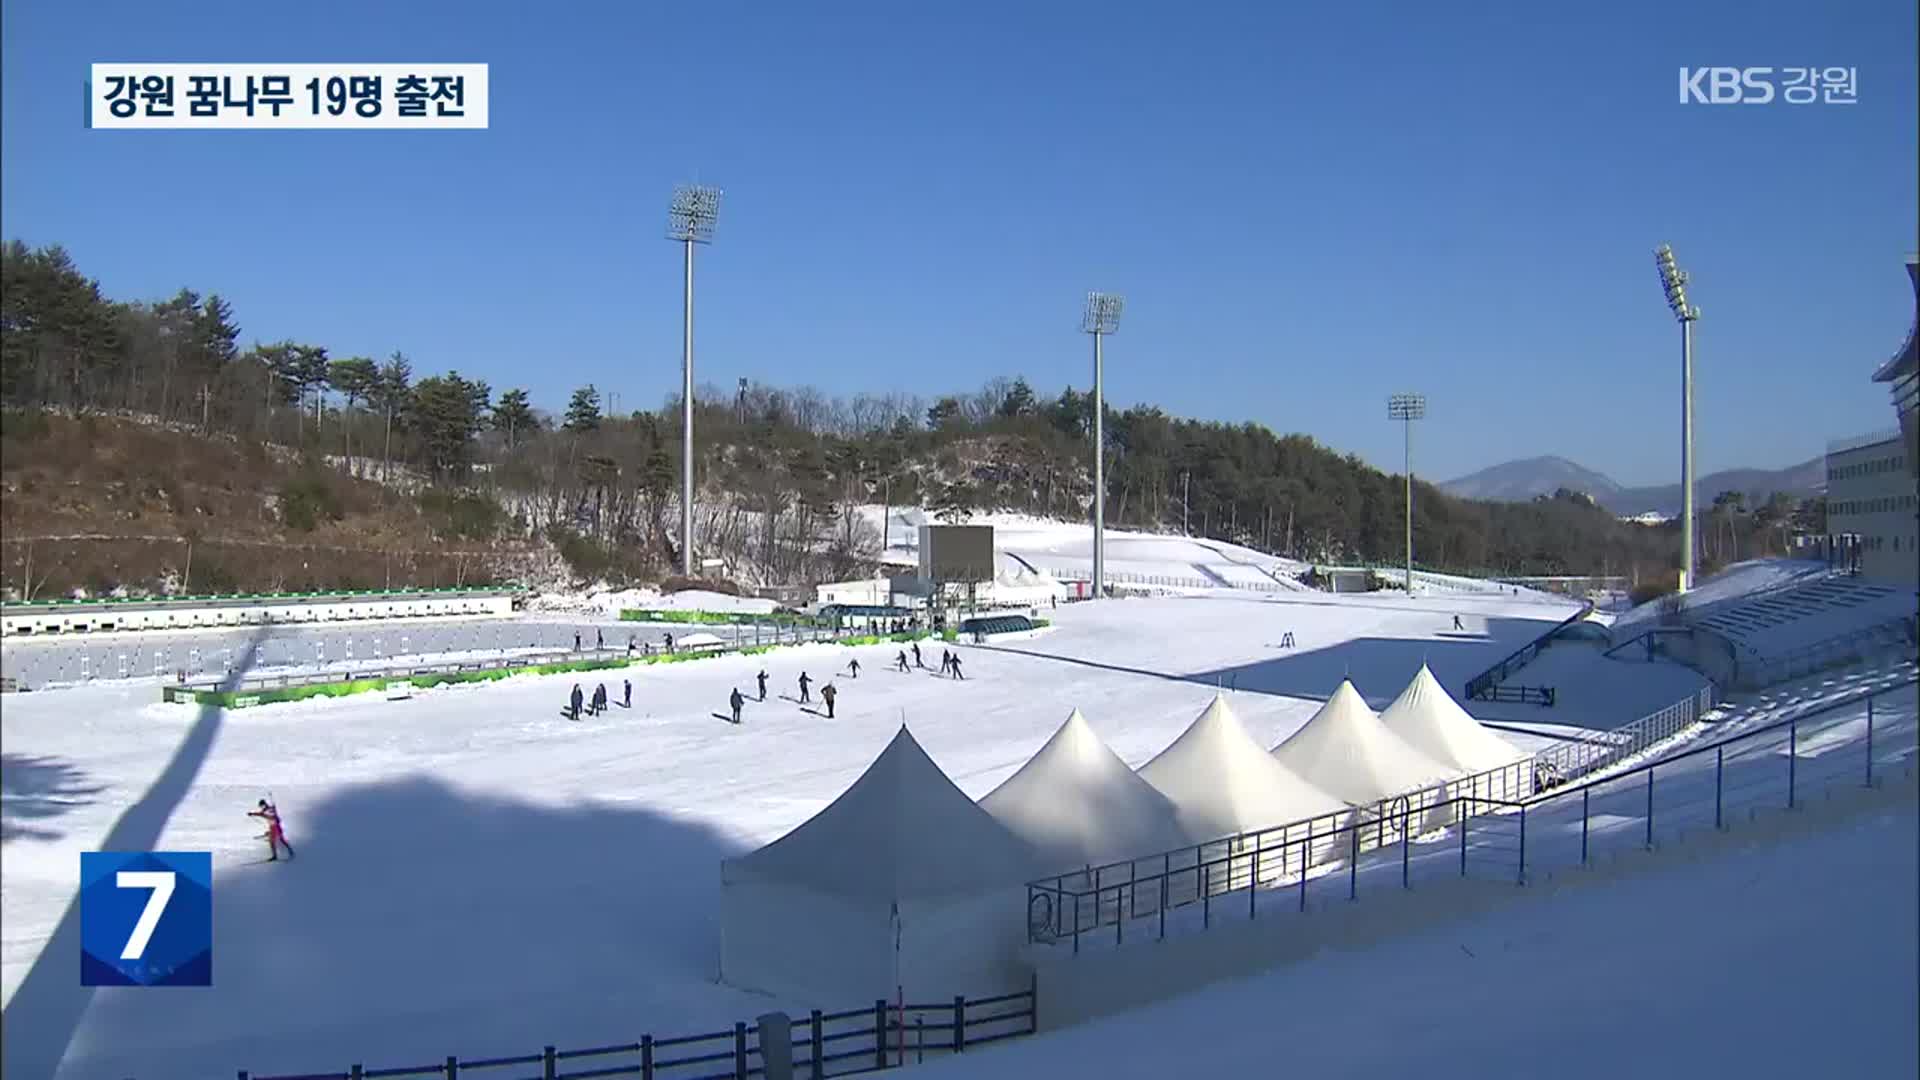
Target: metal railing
[
  {"x": 1522, "y": 656},
  {"x": 883, "y": 1035},
  {"x": 1198, "y": 872},
  {"x": 1849, "y": 741},
  {"x": 1525, "y": 695}
]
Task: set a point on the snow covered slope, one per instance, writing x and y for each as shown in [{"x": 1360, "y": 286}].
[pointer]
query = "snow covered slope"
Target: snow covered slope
[{"x": 479, "y": 877}]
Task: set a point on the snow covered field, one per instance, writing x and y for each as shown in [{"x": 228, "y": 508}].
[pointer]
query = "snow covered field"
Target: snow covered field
[
  {"x": 1791, "y": 959},
  {"x": 478, "y": 876}
]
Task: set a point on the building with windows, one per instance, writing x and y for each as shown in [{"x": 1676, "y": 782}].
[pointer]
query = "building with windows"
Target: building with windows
[
  {"x": 1872, "y": 507},
  {"x": 1873, "y": 481}
]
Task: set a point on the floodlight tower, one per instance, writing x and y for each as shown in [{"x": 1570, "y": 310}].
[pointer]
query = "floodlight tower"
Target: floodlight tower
[
  {"x": 1674, "y": 281},
  {"x": 1102, "y": 317},
  {"x": 1408, "y": 408},
  {"x": 690, "y": 220}
]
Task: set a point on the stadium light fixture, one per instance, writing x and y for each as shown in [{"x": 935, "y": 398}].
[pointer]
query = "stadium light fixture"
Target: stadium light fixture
[
  {"x": 1100, "y": 318},
  {"x": 690, "y": 220},
  {"x": 1673, "y": 281},
  {"x": 1408, "y": 408}
]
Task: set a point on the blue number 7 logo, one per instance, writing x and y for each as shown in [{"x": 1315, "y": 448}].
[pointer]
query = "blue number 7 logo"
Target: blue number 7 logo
[{"x": 146, "y": 918}]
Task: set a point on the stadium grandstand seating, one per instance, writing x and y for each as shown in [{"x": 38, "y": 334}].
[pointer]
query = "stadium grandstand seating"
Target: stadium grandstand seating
[{"x": 1788, "y": 630}]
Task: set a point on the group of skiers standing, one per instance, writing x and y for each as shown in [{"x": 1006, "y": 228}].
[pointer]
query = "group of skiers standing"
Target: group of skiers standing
[
  {"x": 949, "y": 661},
  {"x": 599, "y": 703}
]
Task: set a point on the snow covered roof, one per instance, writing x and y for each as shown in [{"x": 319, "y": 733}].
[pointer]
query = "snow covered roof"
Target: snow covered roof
[
  {"x": 1426, "y": 716},
  {"x": 1348, "y": 752},
  {"x": 1222, "y": 781},
  {"x": 901, "y": 831},
  {"x": 1076, "y": 802}
]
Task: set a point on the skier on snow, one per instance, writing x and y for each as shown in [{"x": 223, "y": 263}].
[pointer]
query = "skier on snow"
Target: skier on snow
[
  {"x": 827, "y": 694},
  {"x": 917, "y": 662},
  {"x": 573, "y": 703},
  {"x": 762, "y": 679},
  {"x": 626, "y": 701},
  {"x": 737, "y": 701},
  {"x": 804, "y": 683},
  {"x": 901, "y": 660},
  {"x": 275, "y": 836},
  {"x": 853, "y": 668},
  {"x": 1456, "y": 623}
]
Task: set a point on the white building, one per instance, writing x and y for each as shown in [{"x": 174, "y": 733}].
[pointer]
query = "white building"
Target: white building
[{"x": 1871, "y": 507}]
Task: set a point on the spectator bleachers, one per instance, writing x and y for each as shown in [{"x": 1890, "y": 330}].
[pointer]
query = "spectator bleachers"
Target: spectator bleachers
[{"x": 1828, "y": 620}]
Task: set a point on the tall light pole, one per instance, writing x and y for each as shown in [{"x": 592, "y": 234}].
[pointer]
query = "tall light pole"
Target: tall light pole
[
  {"x": 1408, "y": 408},
  {"x": 1674, "y": 281},
  {"x": 690, "y": 220},
  {"x": 1102, "y": 317}
]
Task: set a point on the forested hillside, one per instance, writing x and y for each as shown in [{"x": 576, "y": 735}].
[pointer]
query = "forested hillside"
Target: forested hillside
[{"x": 151, "y": 420}]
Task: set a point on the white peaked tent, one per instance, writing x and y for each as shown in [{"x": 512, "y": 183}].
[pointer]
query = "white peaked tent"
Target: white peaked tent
[
  {"x": 1348, "y": 752},
  {"x": 902, "y": 874},
  {"x": 1224, "y": 782},
  {"x": 1077, "y": 804},
  {"x": 1426, "y": 716}
]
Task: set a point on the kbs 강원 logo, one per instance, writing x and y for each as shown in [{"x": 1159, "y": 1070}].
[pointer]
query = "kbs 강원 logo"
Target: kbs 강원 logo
[
  {"x": 1759, "y": 86},
  {"x": 146, "y": 918}
]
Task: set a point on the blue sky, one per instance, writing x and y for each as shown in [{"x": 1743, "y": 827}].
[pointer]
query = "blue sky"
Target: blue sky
[{"x": 1307, "y": 209}]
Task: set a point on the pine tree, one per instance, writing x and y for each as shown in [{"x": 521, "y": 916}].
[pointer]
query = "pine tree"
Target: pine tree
[
  {"x": 583, "y": 412},
  {"x": 513, "y": 415}
]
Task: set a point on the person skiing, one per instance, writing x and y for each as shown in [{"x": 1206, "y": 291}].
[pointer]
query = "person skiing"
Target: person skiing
[
  {"x": 276, "y": 835},
  {"x": 917, "y": 662},
  {"x": 955, "y": 665},
  {"x": 853, "y": 668},
  {"x": 804, "y": 683},
  {"x": 576, "y": 641},
  {"x": 600, "y": 699},
  {"x": 1456, "y": 623},
  {"x": 599, "y": 640},
  {"x": 762, "y": 679},
  {"x": 946, "y": 661},
  {"x": 737, "y": 701},
  {"x": 827, "y": 694},
  {"x": 626, "y": 698},
  {"x": 901, "y": 660},
  {"x": 573, "y": 709}
]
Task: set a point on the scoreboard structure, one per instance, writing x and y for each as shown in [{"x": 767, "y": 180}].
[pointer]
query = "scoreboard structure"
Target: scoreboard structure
[{"x": 956, "y": 554}]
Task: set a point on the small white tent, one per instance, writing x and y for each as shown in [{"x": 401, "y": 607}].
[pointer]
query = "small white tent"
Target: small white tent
[
  {"x": 1077, "y": 804},
  {"x": 1346, "y": 751},
  {"x": 1224, "y": 782},
  {"x": 901, "y": 881},
  {"x": 1426, "y": 716}
]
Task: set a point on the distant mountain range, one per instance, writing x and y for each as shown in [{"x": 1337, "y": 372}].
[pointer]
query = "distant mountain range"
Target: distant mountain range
[{"x": 1519, "y": 481}]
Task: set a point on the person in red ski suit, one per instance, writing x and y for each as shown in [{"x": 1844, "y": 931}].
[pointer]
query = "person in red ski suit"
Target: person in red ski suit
[{"x": 275, "y": 836}]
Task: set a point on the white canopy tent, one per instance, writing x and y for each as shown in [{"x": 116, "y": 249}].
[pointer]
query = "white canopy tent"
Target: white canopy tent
[
  {"x": 900, "y": 882},
  {"x": 1348, "y": 752},
  {"x": 1077, "y": 804},
  {"x": 1428, "y": 718},
  {"x": 1223, "y": 782}
]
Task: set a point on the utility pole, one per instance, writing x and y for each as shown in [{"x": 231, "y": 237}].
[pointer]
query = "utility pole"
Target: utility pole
[
  {"x": 1408, "y": 408},
  {"x": 1186, "y": 482},
  {"x": 1673, "y": 281},
  {"x": 690, "y": 220},
  {"x": 1101, "y": 317}
]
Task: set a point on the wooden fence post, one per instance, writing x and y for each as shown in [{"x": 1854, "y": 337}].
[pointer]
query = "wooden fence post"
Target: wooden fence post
[
  {"x": 547, "y": 1063},
  {"x": 453, "y": 1067},
  {"x": 740, "y": 1049},
  {"x": 646, "y": 1057},
  {"x": 879, "y": 1033},
  {"x": 817, "y": 1054},
  {"x": 959, "y": 1022}
]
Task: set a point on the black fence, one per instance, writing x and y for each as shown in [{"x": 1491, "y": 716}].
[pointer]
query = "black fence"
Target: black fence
[
  {"x": 884, "y": 1035},
  {"x": 1478, "y": 686},
  {"x": 1525, "y": 695}
]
